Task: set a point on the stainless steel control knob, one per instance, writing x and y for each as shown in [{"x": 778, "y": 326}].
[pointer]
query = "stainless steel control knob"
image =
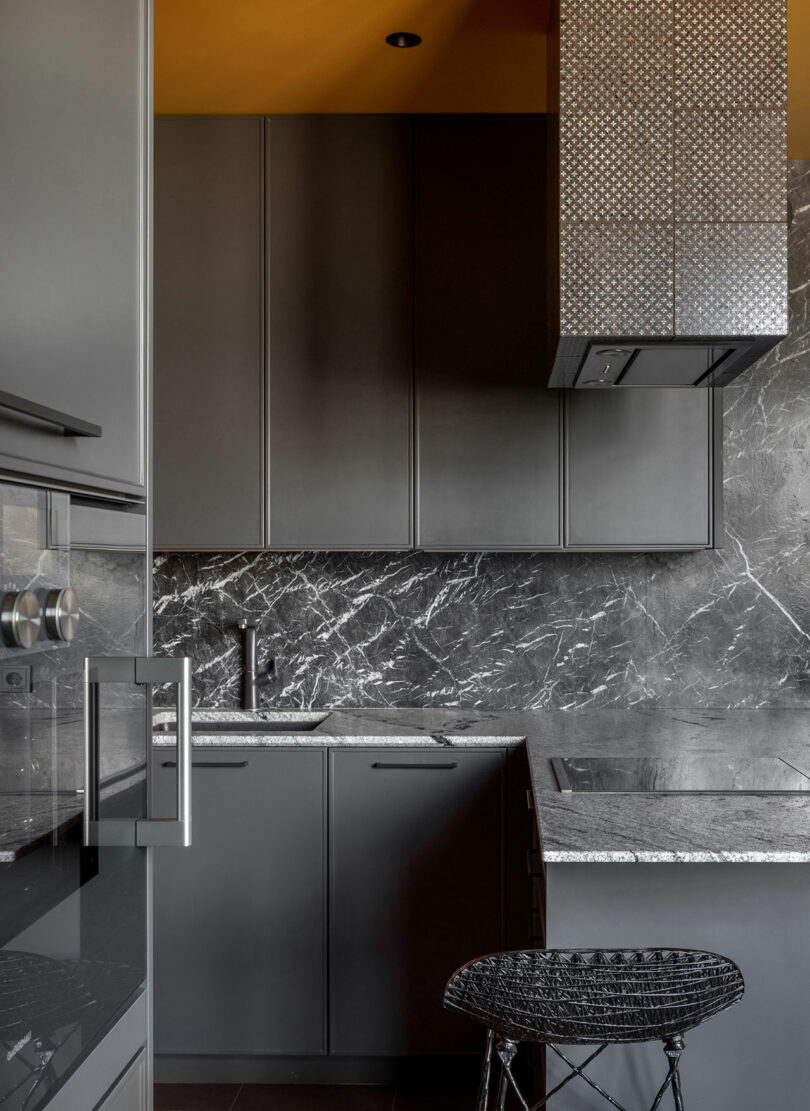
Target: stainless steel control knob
[
  {"x": 62, "y": 614},
  {"x": 20, "y": 619}
]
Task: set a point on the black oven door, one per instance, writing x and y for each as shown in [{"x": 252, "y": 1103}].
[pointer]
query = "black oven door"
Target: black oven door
[{"x": 73, "y": 832}]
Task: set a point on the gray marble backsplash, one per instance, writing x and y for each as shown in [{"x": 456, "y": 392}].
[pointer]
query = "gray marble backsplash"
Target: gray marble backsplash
[{"x": 727, "y": 628}]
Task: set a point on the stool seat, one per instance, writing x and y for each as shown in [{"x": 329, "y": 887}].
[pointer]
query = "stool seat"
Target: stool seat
[
  {"x": 592, "y": 996},
  {"x": 598, "y": 997}
]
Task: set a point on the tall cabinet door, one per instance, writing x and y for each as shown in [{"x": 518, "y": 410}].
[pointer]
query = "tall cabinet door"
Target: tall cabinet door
[
  {"x": 339, "y": 220},
  {"x": 240, "y": 916},
  {"x": 642, "y": 468},
  {"x": 75, "y": 123},
  {"x": 209, "y": 393},
  {"x": 415, "y": 891},
  {"x": 488, "y": 431}
]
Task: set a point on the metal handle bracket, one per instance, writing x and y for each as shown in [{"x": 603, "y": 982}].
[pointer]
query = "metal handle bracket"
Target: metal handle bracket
[{"x": 141, "y": 670}]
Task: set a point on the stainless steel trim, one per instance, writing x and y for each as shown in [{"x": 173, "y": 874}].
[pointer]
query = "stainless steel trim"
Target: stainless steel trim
[
  {"x": 563, "y": 782},
  {"x": 172, "y": 831}
]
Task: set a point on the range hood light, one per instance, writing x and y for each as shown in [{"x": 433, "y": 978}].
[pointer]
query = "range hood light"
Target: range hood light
[{"x": 403, "y": 39}]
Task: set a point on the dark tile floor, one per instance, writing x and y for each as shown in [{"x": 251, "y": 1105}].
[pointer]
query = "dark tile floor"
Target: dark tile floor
[{"x": 300, "y": 1097}]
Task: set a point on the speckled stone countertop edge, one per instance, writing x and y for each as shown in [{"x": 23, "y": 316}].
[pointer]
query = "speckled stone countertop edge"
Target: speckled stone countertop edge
[{"x": 615, "y": 829}]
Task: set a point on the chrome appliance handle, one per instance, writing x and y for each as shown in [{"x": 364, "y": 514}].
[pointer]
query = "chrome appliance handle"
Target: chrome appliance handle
[
  {"x": 71, "y": 426},
  {"x": 142, "y": 670}
]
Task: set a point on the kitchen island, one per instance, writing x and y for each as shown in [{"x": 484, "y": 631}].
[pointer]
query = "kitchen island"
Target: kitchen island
[{"x": 719, "y": 872}]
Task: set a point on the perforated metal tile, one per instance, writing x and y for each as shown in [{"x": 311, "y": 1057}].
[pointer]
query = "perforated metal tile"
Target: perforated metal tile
[
  {"x": 616, "y": 279},
  {"x": 730, "y": 54},
  {"x": 616, "y": 165},
  {"x": 730, "y": 279},
  {"x": 730, "y": 165},
  {"x": 615, "y": 54}
]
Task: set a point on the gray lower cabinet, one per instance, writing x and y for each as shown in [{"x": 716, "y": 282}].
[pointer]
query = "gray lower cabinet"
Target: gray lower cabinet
[
  {"x": 209, "y": 360},
  {"x": 239, "y": 932},
  {"x": 487, "y": 428},
  {"x": 416, "y": 890},
  {"x": 74, "y": 132},
  {"x": 130, "y": 1093},
  {"x": 339, "y": 331},
  {"x": 642, "y": 466}
]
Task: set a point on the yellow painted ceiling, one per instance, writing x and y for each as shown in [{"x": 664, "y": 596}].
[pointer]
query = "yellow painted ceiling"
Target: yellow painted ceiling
[{"x": 290, "y": 56}]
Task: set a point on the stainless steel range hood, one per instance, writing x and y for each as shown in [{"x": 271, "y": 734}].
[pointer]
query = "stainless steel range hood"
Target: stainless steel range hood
[{"x": 668, "y": 159}]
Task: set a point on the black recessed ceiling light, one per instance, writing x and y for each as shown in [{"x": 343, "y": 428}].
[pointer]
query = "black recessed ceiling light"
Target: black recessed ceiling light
[{"x": 403, "y": 39}]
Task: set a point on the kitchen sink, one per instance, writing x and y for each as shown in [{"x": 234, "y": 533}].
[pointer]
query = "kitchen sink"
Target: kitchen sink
[
  {"x": 678, "y": 775},
  {"x": 244, "y": 723}
]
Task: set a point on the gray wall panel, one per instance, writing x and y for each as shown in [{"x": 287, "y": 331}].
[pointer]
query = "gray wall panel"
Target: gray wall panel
[{"x": 752, "y": 1056}]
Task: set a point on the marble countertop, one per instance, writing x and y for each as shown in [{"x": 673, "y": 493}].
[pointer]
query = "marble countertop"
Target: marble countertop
[
  {"x": 41, "y": 772},
  {"x": 638, "y": 828}
]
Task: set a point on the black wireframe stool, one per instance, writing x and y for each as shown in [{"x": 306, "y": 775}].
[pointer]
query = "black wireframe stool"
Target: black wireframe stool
[{"x": 595, "y": 997}]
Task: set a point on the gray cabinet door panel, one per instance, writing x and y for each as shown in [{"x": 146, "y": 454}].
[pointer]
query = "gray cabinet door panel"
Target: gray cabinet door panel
[
  {"x": 488, "y": 431},
  {"x": 130, "y": 1093},
  {"x": 416, "y": 889},
  {"x": 240, "y": 916},
  {"x": 74, "y": 130},
  {"x": 209, "y": 362},
  {"x": 639, "y": 467},
  {"x": 339, "y": 219}
]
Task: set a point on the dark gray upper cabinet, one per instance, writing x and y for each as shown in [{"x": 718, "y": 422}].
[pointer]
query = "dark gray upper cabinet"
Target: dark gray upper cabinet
[
  {"x": 306, "y": 307},
  {"x": 642, "y": 467},
  {"x": 209, "y": 397},
  {"x": 488, "y": 438},
  {"x": 240, "y": 916},
  {"x": 339, "y": 227},
  {"x": 74, "y": 135},
  {"x": 416, "y": 890}
]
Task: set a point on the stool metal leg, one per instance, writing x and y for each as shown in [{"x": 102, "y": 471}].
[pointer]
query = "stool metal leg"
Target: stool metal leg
[
  {"x": 673, "y": 1047},
  {"x": 482, "y": 1103},
  {"x": 506, "y": 1050},
  {"x": 673, "y": 1050}
]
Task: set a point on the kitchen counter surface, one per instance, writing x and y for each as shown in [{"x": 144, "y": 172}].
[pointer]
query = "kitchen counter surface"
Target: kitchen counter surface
[{"x": 592, "y": 828}]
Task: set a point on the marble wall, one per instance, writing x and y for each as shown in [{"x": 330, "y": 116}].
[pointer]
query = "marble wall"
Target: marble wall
[{"x": 728, "y": 628}]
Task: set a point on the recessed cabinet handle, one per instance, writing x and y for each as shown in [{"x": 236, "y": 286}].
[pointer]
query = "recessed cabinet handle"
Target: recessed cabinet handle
[
  {"x": 417, "y": 767},
  {"x": 210, "y": 764},
  {"x": 71, "y": 426}
]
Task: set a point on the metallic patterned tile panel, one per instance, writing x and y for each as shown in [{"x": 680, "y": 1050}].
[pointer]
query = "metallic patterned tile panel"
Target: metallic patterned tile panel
[
  {"x": 730, "y": 165},
  {"x": 730, "y": 279},
  {"x": 616, "y": 165},
  {"x": 616, "y": 279},
  {"x": 615, "y": 54},
  {"x": 672, "y": 110},
  {"x": 730, "y": 54}
]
